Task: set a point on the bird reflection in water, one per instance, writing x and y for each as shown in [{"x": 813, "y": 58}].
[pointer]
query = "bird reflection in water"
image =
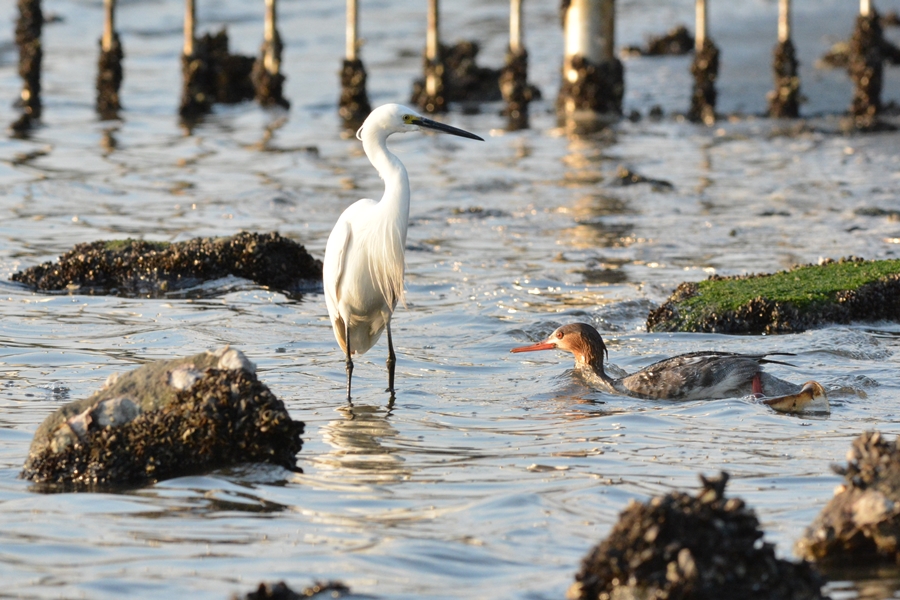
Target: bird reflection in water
[{"x": 363, "y": 446}]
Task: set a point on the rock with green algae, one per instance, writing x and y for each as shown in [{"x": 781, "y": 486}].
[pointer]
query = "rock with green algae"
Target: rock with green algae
[
  {"x": 860, "y": 525},
  {"x": 140, "y": 268},
  {"x": 702, "y": 547},
  {"x": 834, "y": 292},
  {"x": 162, "y": 420}
]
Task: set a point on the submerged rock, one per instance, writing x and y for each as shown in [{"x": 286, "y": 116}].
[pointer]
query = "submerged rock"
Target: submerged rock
[
  {"x": 860, "y": 525},
  {"x": 166, "y": 419},
  {"x": 625, "y": 177},
  {"x": 212, "y": 74},
  {"x": 135, "y": 267},
  {"x": 280, "y": 591},
  {"x": 785, "y": 302},
  {"x": 699, "y": 547},
  {"x": 678, "y": 41}
]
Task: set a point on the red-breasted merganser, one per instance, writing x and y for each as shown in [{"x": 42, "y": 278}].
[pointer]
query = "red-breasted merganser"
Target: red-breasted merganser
[{"x": 692, "y": 376}]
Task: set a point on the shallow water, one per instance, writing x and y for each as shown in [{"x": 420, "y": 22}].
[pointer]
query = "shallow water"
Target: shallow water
[{"x": 492, "y": 474}]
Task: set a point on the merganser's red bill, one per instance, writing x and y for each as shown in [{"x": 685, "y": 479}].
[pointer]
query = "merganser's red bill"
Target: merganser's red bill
[{"x": 533, "y": 347}]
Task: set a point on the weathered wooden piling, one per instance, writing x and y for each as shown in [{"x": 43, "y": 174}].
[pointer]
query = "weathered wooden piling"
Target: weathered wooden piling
[
  {"x": 109, "y": 70},
  {"x": 431, "y": 97},
  {"x": 268, "y": 82},
  {"x": 866, "y": 67},
  {"x": 705, "y": 70},
  {"x": 354, "y": 104},
  {"x": 592, "y": 76},
  {"x": 28, "y": 39},
  {"x": 784, "y": 100},
  {"x": 514, "y": 76}
]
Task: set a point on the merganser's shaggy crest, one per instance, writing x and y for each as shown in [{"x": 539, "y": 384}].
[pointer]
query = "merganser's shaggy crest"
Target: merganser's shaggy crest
[{"x": 693, "y": 376}]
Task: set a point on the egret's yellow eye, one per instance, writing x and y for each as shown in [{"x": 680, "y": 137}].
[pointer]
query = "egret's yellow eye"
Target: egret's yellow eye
[{"x": 407, "y": 118}]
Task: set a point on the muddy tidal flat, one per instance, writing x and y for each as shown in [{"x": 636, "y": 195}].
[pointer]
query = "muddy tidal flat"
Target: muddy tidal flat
[{"x": 492, "y": 474}]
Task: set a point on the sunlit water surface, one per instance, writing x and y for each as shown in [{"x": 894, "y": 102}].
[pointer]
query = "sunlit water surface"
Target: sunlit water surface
[{"x": 492, "y": 474}]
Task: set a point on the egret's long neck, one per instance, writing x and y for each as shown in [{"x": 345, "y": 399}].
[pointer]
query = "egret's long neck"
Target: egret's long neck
[{"x": 392, "y": 171}]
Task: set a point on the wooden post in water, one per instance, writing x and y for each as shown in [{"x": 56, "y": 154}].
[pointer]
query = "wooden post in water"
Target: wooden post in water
[
  {"x": 109, "y": 69},
  {"x": 354, "y": 104},
  {"x": 514, "y": 76},
  {"x": 515, "y": 26},
  {"x": 593, "y": 78},
  {"x": 431, "y": 97},
  {"x": 784, "y": 20},
  {"x": 784, "y": 100},
  {"x": 866, "y": 67},
  {"x": 700, "y": 16},
  {"x": 268, "y": 82},
  {"x": 28, "y": 38},
  {"x": 705, "y": 70},
  {"x": 190, "y": 27}
]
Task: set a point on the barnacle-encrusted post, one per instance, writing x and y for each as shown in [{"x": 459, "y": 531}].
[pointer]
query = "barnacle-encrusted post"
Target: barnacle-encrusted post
[
  {"x": 354, "y": 104},
  {"x": 784, "y": 100}
]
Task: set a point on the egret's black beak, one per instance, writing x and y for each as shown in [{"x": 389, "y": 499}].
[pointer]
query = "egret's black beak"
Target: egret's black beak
[{"x": 429, "y": 124}]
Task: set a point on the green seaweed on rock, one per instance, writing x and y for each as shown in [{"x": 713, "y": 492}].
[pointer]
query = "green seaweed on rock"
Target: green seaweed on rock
[{"x": 788, "y": 301}]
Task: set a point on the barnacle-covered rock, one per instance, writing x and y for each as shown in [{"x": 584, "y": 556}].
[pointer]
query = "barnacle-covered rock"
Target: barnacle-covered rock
[
  {"x": 165, "y": 419},
  {"x": 861, "y": 523},
  {"x": 790, "y": 301},
  {"x": 680, "y": 546},
  {"x": 140, "y": 268},
  {"x": 676, "y": 42},
  {"x": 459, "y": 78},
  {"x": 213, "y": 74},
  {"x": 281, "y": 591}
]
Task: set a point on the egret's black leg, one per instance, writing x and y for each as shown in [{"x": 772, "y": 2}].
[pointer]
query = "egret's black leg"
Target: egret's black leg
[
  {"x": 349, "y": 361},
  {"x": 391, "y": 361}
]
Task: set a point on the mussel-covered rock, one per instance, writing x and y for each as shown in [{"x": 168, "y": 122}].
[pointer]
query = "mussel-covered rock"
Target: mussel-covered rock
[
  {"x": 213, "y": 74},
  {"x": 165, "y": 419},
  {"x": 790, "y": 301},
  {"x": 676, "y": 42},
  {"x": 861, "y": 523},
  {"x": 136, "y": 267},
  {"x": 698, "y": 547},
  {"x": 281, "y": 591},
  {"x": 460, "y": 77}
]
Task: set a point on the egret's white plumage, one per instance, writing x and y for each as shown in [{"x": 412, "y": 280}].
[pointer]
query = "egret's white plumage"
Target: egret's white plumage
[{"x": 364, "y": 257}]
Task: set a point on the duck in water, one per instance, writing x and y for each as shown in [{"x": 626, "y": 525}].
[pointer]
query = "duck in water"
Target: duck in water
[{"x": 693, "y": 376}]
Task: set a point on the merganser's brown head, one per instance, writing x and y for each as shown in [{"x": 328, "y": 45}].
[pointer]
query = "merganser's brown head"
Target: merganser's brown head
[{"x": 580, "y": 339}]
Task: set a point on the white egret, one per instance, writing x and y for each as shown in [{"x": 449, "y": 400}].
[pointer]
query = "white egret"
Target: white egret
[{"x": 364, "y": 257}]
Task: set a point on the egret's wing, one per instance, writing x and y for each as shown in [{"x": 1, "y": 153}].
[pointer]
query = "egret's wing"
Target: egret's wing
[{"x": 333, "y": 265}]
